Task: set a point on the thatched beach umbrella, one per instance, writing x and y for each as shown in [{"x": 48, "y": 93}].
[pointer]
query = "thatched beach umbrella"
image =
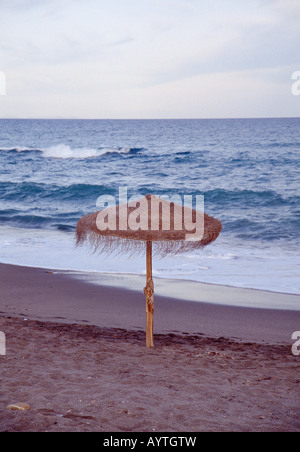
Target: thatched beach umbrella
[{"x": 150, "y": 222}]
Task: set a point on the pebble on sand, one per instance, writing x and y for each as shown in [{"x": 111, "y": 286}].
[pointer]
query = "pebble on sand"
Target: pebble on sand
[{"x": 18, "y": 406}]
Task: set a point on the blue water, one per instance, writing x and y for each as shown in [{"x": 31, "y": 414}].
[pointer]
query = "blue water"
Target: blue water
[{"x": 53, "y": 171}]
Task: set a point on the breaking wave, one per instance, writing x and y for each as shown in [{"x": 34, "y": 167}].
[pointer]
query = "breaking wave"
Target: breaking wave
[{"x": 63, "y": 151}]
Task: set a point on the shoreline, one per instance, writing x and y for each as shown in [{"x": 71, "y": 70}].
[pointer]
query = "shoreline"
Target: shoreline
[
  {"x": 194, "y": 291},
  {"x": 234, "y": 266},
  {"x": 50, "y": 295},
  {"x": 163, "y": 287}
]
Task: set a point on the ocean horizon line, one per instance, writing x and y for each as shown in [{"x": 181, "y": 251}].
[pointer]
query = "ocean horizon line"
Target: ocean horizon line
[{"x": 148, "y": 119}]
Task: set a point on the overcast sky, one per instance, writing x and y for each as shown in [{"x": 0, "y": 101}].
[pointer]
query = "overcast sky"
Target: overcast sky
[{"x": 149, "y": 58}]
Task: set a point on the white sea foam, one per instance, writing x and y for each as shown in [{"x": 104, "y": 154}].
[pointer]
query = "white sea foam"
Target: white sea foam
[{"x": 63, "y": 151}]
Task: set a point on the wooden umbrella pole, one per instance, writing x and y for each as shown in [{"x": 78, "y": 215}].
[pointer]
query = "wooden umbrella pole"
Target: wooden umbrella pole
[{"x": 149, "y": 292}]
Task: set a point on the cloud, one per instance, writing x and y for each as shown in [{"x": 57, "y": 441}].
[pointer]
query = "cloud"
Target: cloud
[
  {"x": 261, "y": 37},
  {"x": 123, "y": 51},
  {"x": 16, "y": 5}
]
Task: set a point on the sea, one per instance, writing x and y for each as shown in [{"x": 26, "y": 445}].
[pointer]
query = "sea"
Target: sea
[{"x": 53, "y": 171}]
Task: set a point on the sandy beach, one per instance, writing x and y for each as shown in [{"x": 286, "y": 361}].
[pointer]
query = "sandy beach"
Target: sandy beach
[{"x": 75, "y": 352}]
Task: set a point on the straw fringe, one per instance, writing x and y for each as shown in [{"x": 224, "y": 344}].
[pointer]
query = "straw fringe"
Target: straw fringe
[{"x": 104, "y": 244}]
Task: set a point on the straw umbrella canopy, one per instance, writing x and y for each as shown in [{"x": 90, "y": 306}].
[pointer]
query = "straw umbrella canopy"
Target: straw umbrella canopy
[{"x": 149, "y": 223}]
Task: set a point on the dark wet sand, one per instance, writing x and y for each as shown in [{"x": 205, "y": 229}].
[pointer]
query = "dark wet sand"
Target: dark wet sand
[{"x": 76, "y": 354}]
